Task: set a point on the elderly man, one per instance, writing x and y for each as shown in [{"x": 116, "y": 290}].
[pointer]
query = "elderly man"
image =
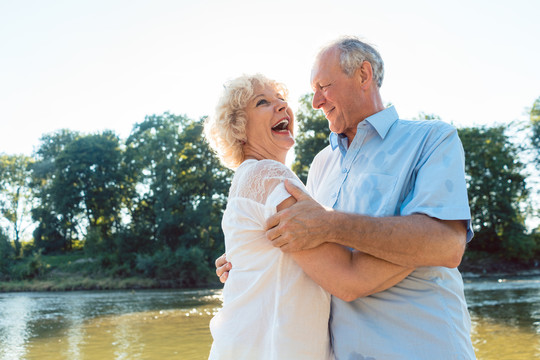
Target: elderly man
[{"x": 394, "y": 189}]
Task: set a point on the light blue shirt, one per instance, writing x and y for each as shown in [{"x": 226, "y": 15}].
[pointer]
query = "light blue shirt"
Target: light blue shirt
[{"x": 398, "y": 167}]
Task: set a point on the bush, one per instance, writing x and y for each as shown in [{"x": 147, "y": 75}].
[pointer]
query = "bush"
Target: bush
[
  {"x": 518, "y": 245},
  {"x": 29, "y": 268},
  {"x": 185, "y": 266},
  {"x": 6, "y": 256}
]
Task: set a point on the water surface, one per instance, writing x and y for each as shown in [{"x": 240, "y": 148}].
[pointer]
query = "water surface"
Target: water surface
[{"x": 174, "y": 324}]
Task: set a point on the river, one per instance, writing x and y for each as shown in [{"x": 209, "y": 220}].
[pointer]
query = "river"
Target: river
[{"x": 160, "y": 324}]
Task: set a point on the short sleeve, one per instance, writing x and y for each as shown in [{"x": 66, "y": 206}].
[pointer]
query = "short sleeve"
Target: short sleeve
[
  {"x": 440, "y": 189},
  {"x": 280, "y": 193},
  {"x": 262, "y": 182}
]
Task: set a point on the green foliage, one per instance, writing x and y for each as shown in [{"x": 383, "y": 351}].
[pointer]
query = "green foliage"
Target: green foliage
[
  {"x": 95, "y": 244},
  {"x": 186, "y": 266},
  {"x": 496, "y": 190},
  {"x": 89, "y": 174},
  {"x": 15, "y": 194},
  {"x": 6, "y": 256},
  {"x": 180, "y": 187},
  {"x": 312, "y": 136},
  {"x": 535, "y": 124},
  {"x": 56, "y": 227},
  {"x": 152, "y": 206},
  {"x": 424, "y": 116},
  {"x": 29, "y": 268}
]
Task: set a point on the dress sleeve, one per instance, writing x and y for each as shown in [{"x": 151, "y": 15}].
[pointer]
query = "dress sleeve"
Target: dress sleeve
[
  {"x": 263, "y": 183},
  {"x": 279, "y": 194}
]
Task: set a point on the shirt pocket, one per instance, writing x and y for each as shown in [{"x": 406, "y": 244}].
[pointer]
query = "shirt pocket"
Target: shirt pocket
[{"x": 370, "y": 194}]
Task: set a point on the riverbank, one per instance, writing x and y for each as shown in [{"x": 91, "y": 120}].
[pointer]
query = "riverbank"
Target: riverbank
[
  {"x": 76, "y": 272},
  {"x": 86, "y": 283},
  {"x": 478, "y": 265}
]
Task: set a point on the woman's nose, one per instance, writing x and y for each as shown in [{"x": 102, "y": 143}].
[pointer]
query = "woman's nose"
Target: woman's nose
[{"x": 282, "y": 105}]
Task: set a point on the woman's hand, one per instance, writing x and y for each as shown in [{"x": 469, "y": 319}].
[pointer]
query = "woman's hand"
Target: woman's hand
[{"x": 222, "y": 268}]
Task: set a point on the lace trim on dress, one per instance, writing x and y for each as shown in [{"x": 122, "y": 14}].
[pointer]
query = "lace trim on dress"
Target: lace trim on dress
[{"x": 256, "y": 179}]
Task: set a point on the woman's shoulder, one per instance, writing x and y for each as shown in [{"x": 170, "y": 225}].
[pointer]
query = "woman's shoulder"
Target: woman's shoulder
[
  {"x": 267, "y": 168},
  {"x": 256, "y": 179}
]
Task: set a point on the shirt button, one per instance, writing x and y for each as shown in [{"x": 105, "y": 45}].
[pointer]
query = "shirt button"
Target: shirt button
[
  {"x": 344, "y": 170},
  {"x": 334, "y": 195}
]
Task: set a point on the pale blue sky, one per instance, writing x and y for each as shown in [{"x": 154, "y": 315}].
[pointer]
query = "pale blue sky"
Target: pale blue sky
[{"x": 96, "y": 64}]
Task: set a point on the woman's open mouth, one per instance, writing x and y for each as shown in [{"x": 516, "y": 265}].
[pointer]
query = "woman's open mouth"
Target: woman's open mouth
[{"x": 282, "y": 126}]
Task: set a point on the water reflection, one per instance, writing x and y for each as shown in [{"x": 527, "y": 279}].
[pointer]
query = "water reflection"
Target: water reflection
[
  {"x": 106, "y": 325},
  {"x": 14, "y": 332},
  {"x": 174, "y": 324},
  {"x": 505, "y": 316}
]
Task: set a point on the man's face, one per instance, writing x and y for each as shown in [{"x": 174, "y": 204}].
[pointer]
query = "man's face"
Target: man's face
[{"x": 339, "y": 96}]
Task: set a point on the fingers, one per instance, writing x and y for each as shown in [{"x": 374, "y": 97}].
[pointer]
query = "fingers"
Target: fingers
[
  {"x": 272, "y": 222},
  {"x": 222, "y": 260},
  {"x": 222, "y": 268},
  {"x": 276, "y": 239},
  {"x": 223, "y": 272},
  {"x": 224, "y": 277},
  {"x": 297, "y": 192}
]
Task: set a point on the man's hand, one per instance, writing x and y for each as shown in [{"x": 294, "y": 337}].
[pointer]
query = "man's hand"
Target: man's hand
[
  {"x": 302, "y": 226},
  {"x": 222, "y": 268}
]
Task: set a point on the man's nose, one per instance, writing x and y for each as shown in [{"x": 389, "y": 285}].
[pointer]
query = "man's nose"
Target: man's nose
[{"x": 318, "y": 100}]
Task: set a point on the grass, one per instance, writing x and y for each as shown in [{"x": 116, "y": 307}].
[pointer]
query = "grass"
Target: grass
[
  {"x": 75, "y": 271},
  {"x": 79, "y": 283}
]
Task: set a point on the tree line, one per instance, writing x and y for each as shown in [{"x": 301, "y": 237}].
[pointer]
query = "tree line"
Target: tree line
[{"x": 151, "y": 205}]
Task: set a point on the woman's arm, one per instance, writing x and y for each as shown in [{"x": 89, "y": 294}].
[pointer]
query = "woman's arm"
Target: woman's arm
[{"x": 346, "y": 274}]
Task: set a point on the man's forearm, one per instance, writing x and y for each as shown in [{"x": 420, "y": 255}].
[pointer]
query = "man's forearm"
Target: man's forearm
[{"x": 410, "y": 241}]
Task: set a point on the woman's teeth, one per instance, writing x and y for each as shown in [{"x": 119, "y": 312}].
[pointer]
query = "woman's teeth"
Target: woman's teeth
[{"x": 281, "y": 126}]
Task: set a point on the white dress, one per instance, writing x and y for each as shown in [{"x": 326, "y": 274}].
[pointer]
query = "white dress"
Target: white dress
[{"x": 271, "y": 308}]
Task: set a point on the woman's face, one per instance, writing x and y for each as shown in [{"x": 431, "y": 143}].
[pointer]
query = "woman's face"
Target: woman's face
[{"x": 270, "y": 123}]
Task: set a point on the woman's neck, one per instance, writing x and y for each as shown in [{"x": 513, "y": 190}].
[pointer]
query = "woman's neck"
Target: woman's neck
[{"x": 250, "y": 153}]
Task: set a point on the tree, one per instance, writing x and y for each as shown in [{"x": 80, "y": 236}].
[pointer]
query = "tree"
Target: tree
[
  {"x": 6, "y": 255},
  {"x": 535, "y": 123},
  {"x": 55, "y": 229},
  {"x": 179, "y": 188},
  {"x": 311, "y": 138},
  {"x": 496, "y": 188},
  {"x": 88, "y": 185},
  {"x": 15, "y": 194},
  {"x": 424, "y": 116}
]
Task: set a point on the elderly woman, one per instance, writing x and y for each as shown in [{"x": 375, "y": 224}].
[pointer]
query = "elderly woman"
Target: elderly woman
[{"x": 271, "y": 308}]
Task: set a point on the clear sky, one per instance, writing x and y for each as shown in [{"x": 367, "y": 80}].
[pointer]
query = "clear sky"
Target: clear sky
[{"x": 90, "y": 65}]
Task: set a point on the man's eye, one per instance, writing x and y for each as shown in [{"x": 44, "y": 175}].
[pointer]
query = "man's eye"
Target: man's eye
[{"x": 322, "y": 87}]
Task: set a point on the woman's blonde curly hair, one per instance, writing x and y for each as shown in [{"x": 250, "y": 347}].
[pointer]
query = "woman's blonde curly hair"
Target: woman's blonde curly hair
[{"x": 226, "y": 130}]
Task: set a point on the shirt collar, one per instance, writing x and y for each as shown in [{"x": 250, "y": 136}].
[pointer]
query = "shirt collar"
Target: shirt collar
[{"x": 381, "y": 122}]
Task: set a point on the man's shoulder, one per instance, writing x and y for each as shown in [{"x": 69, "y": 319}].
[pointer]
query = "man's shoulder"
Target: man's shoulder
[
  {"x": 323, "y": 155},
  {"x": 427, "y": 129},
  {"x": 426, "y": 125}
]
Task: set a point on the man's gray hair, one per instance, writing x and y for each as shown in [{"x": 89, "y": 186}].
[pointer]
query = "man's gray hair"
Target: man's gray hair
[{"x": 353, "y": 52}]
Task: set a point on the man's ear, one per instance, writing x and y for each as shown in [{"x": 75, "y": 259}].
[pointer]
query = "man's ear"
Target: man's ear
[{"x": 365, "y": 74}]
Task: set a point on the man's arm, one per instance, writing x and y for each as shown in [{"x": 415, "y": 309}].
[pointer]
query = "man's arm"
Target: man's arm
[
  {"x": 346, "y": 274},
  {"x": 410, "y": 241},
  {"x": 343, "y": 273}
]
